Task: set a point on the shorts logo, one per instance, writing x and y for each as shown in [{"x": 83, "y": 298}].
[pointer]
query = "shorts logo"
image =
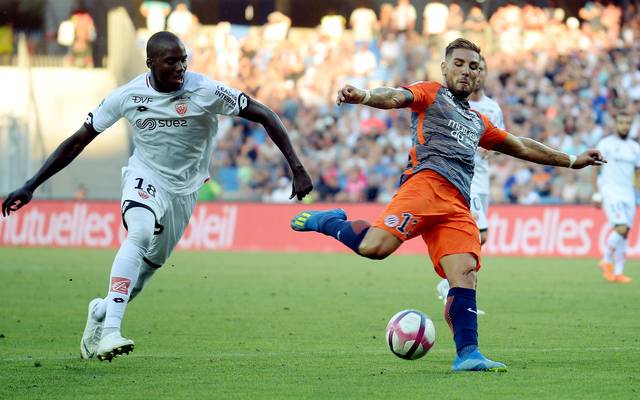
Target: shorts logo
[
  {"x": 391, "y": 221},
  {"x": 120, "y": 285},
  {"x": 143, "y": 194},
  {"x": 181, "y": 108}
]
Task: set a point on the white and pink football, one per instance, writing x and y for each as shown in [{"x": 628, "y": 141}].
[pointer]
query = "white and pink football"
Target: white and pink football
[{"x": 410, "y": 334}]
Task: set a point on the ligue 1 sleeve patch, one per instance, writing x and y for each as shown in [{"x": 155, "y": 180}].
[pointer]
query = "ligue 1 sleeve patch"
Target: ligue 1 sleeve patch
[
  {"x": 243, "y": 101},
  {"x": 89, "y": 120}
]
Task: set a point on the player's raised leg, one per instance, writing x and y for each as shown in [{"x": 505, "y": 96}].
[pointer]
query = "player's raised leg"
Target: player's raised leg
[
  {"x": 357, "y": 235},
  {"x": 124, "y": 274},
  {"x": 461, "y": 314}
]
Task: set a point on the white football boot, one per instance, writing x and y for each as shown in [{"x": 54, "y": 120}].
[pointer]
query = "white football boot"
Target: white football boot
[
  {"x": 113, "y": 345},
  {"x": 92, "y": 332}
]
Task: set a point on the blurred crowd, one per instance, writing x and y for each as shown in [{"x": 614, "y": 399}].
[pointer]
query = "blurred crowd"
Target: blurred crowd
[{"x": 554, "y": 76}]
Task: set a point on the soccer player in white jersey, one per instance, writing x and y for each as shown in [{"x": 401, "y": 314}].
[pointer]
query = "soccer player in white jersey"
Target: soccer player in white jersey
[
  {"x": 480, "y": 185},
  {"x": 614, "y": 191},
  {"x": 174, "y": 116}
]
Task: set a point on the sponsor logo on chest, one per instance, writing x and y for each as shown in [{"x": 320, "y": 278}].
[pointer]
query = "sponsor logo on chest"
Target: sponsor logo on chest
[{"x": 465, "y": 135}]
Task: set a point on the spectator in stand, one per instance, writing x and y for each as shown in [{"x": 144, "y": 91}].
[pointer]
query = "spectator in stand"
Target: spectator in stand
[
  {"x": 475, "y": 26},
  {"x": 81, "y": 192},
  {"x": 155, "y": 13},
  {"x": 386, "y": 18},
  {"x": 80, "y": 51},
  {"x": 364, "y": 23},
  {"x": 434, "y": 23},
  {"x": 332, "y": 26},
  {"x": 181, "y": 21},
  {"x": 404, "y": 18},
  {"x": 455, "y": 22},
  {"x": 276, "y": 29}
]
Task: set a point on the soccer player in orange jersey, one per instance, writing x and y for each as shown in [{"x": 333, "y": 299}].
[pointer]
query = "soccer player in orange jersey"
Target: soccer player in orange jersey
[{"x": 433, "y": 198}]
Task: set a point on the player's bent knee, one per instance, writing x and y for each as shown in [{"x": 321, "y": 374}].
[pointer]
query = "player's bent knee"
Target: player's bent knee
[
  {"x": 623, "y": 230},
  {"x": 141, "y": 226},
  {"x": 378, "y": 244},
  {"x": 461, "y": 269},
  {"x": 373, "y": 251}
]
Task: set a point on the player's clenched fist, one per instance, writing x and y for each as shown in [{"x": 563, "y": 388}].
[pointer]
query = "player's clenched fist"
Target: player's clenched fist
[{"x": 350, "y": 94}]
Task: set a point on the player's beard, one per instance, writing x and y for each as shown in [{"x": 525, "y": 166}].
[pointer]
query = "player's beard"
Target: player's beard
[
  {"x": 460, "y": 94},
  {"x": 623, "y": 135}
]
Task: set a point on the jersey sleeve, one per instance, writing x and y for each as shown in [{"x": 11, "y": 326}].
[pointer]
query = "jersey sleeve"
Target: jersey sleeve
[
  {"x": 424, "y": 94},
  {"x": 222, "y": 99},
  {"x": 107, "y": 113},
  {"x": 492, "y": 135}
]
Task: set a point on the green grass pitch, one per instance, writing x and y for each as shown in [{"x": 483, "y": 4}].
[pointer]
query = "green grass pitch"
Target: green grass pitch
[{"x": 297, "y": 326}]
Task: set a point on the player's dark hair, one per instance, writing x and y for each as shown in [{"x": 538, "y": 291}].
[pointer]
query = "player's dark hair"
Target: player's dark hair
[
  {"x": 158, "y": 41},
  {"x": 461, "y": 43}
]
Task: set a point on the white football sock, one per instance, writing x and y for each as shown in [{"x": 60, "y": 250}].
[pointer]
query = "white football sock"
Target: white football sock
[
  {"x": 143, "y": 277},
  {"x": 619, "y": 257},
  {"x": 126, "y": 265},
  {"x": 612, "y": 244}
]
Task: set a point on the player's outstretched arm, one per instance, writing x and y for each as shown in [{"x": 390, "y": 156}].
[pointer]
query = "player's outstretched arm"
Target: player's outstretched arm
[
  {"x": 258, "y": 112},
  {"x": 384, "y": 97},
  {"x": 531, "y": 150},
  {"x": 59, "y": 159}
]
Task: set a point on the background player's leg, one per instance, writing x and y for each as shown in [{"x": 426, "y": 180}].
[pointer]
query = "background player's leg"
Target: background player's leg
[{"x": 620, "y": 253}]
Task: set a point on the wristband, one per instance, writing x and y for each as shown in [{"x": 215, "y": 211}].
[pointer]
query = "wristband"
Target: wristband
[
  {"x": 367, "y": 96},
  {"x": 572, "y": 160}
]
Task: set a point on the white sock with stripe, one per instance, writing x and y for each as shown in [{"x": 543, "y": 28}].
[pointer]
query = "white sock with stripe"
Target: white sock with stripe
[
  {"x": 612, "y": 244},
  {"x": 126, "y": 266}
]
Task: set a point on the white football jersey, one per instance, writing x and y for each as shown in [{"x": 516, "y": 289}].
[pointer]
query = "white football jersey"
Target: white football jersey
[
  {"x": 173, "y": 132},
  {"x": 480, "y": 182},
  {"x": 617, "y": 175}
]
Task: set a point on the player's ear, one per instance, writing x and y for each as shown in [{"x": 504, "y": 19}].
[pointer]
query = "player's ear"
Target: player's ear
[
  {"x": 444, "y": 68},
  {"x": 149, "y": 63}
]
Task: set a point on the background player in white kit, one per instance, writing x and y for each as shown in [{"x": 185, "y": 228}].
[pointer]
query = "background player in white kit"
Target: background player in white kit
[
  {"x": 174, "y": 116},
  {"x": 614, "y": 190},
  {"x": 480, "y": 184}
]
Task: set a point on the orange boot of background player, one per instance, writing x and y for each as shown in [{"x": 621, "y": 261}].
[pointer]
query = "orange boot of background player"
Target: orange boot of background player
[
  {"x": 607, "y": 270},
  {"x": 620, "y": 278}
]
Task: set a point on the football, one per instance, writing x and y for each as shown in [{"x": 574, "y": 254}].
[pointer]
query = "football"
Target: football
[{"x": 410, "y": 334}]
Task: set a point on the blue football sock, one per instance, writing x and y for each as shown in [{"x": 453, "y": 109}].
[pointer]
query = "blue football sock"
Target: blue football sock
[
  {"x": 350, "y": 233},
  {"x": 460, "y": 314}
]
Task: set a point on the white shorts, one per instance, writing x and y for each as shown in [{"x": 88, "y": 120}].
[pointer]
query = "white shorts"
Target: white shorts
[
  {"x": 479, "y": 208},
  {"x": 172, "y": 212},
  {"x": 619, "y": 211}
]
